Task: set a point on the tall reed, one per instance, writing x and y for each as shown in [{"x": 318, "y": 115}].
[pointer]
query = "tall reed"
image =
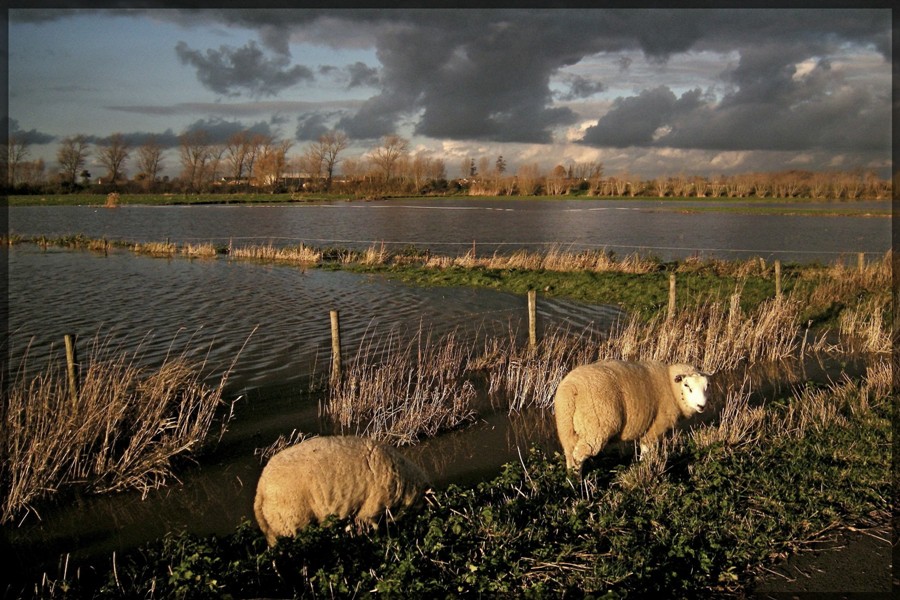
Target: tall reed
[
  {"x": 554, "y": 259},
  {"x": 205, "y": 250},
  {"x": 712, "y": 337},
  {"x": 864, "y": 325},
  {"x": 126, "y": 428},
  {"x": 156, "y": 248},
  {"x": 400, "y": 391},
  {"x": 293, "y": 254}
]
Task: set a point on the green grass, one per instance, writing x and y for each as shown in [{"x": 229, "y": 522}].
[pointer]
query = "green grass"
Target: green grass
[
  {"x": 646, "y": 293},
  {"x": 699, "y": 521}
]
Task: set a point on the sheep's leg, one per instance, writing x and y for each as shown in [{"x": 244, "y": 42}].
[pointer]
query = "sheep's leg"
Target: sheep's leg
[
  {"x": 584, "y": 449},
  {"x": 648, "y": 444}
]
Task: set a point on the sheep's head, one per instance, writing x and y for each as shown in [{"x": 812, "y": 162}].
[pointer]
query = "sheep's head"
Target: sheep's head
[{"x": 693, "y": 390}]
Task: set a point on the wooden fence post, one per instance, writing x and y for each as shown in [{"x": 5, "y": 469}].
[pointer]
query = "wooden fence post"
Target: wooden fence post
[
  {"x": 778, "y": 279},
  {"x": 532, "y": 319},
  {"x": 861, "y": 261},
  {"x": 671, "y": 312},
  {"x": 71, "y": 362},
  {"x": 335, "y": 348}
]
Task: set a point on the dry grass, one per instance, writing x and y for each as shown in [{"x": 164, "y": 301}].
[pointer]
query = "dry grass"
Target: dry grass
[
  {"x": 112, "y": 200},
  {"x": 374, "y": 256},
  {"x": 156, "y": 248},
  {"x": 712, "y": 338},
  {"x": 206, "y": 250},
  {"x": 128, "y": 425},
  {"x": 554, "y": 259},
  {"x": 400, "y": 391},
  {"x": 295, "y": 437},
  {"x": 528, "y": 377},
  {"x": 818, "y": 408},
  {"x": 739, "y": 423},
  {"x": 864, "y": 327},
  {"x": 294, "y": 254}
]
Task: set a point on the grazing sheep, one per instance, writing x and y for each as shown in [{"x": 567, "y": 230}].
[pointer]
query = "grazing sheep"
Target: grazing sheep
[
  {"x": 345, "y": 476},
  {"x": 625, "y": 400}
]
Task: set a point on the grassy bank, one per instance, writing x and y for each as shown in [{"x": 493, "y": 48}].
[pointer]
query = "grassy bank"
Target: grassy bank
[
  {"x": 696, "y": 519},
  {"x": 699, "y": 518},
  {"x": 633, "y": 282}
]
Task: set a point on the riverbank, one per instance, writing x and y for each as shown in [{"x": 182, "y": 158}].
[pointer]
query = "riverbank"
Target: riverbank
[
  {"x": 716, "y": 510},
  {"x": 633, "y": 283},
  {"x": 745, "y": 206},
  {"x": 845, "y": 284}
]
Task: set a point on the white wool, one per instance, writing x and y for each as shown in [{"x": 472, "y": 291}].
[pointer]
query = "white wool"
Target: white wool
[
  {"x": 346, "y": 476},
  {"x": 608, "y": 400}
]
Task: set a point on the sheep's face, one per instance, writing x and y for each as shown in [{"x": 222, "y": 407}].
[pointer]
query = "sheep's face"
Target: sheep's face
[{"x": 693, "y": 390}]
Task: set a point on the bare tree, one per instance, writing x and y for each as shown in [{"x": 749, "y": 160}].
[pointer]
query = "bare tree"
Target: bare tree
[
  {"x": 196, "y": 152},
  {"x": 437, "y": 169},
  {"x": 112, "y": 154},
  {"x": 237, "y": 148},
  {"x": 272, "y": 162},
  {"x": 352, "y": 168},
  {"x": 71, "y": 156},
  {"x": 328, "y": 150},
  {"x": 484, "y": 166},
  {"x": 528, "y": 177},
  {"x": 31, "y": 172},
  {"x": 16, "y": 152},
  {"x": 385, "y": 156},
  {"x": 556, "y": 182},
  {"x": 310, "y": 163},
  {"x": 149, "y": 160}
]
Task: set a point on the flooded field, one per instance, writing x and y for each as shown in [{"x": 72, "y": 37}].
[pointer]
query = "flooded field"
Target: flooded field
[
  {"x": 452, "y": 225},
  {"x": 275, "y": 320}
]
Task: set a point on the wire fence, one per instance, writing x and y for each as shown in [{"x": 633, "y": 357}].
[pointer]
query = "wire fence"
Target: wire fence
[{"x": 508, "y": 246}]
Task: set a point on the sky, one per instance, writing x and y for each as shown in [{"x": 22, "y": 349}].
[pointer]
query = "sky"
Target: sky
[{"x": 649, "y": 92}]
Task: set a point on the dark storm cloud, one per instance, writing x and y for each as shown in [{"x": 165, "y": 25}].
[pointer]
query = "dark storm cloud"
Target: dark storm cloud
[
  {"x": 485, "y": 74},
  {"x": 770, "y": 106},
  {"x": 135, "y": 139},
  {"x": 310, "y": 127},
  {"x": 219, "y": 130},
  {"x": 362, "y": 75},
  {"x": 581, "y": 87},
  {"x": 633, "y": 121},
  {"x": 32, "y": 136},
  {"x": 229, "y": 70}
]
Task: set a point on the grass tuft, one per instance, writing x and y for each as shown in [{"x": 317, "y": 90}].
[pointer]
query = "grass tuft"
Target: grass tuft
[{"x": 125, "y": 430}]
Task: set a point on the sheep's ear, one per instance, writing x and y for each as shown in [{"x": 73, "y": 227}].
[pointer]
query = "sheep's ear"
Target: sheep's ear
[{"x": 678, "y": 378}]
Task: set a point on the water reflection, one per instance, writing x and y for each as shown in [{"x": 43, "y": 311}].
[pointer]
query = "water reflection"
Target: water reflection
[{"x": 451, "y": 226}]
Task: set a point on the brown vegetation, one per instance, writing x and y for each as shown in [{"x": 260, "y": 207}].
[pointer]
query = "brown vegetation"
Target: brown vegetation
[
  {"x": 398, "y": 391},
  {"x": 127, "y": 426},
  {"x": 295, "y": 254}
]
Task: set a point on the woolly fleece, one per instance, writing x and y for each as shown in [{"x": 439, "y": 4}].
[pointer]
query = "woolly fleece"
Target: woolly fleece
[
  {"x": 608, "y": 400},
  {"x": 346, "y": 476}
]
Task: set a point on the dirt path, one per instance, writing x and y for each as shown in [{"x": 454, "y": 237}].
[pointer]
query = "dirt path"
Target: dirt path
[{"x": 851, "y": 564}]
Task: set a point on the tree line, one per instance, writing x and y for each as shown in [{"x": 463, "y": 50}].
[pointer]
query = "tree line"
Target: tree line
[{"x": 250, "y": 161}]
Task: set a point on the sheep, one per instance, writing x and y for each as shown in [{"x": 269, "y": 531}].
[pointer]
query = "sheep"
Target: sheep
[
  {"x": 626, "y": 400},
  {"x": 347, "y": 476}
]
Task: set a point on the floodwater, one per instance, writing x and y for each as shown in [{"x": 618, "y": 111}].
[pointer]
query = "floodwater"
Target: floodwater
[
  {"x": 658, "y": 228},
  {"x": 272, "y": 323}
]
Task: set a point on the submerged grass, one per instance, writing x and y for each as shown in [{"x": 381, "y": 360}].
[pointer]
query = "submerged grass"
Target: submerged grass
[
  {"x": 126, "y": 428},
  {"x": 698, "y": 518},
  {"x": 414, "y": 388}
]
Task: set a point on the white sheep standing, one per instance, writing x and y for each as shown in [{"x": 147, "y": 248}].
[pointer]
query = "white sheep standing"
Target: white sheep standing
[
  {"x": 606, "y": 400},
  {"x": 347, "y": 476}
]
